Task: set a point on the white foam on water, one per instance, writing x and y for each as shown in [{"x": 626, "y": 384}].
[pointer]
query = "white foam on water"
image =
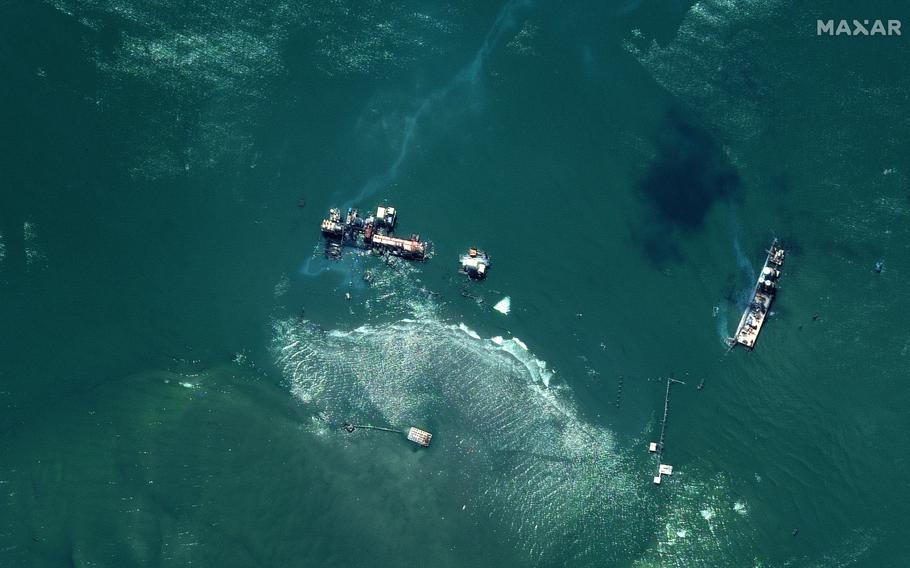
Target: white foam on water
[
  {"x": 701, "y": 526},
  {"x": 33, "y": 253},
  {"x": 503, "y": 306},
  {"x": 536, "y": 368},
  {"x": 740, "y": 508},
  {"x": 468, "y": 331},
  {"x": 533, "y": 460},
  {"x": 282, "y": 286},
  {"x": 714, "y": 70},
  {"x": 522, "y": 43},
  {"x": 214, "y": 69}
]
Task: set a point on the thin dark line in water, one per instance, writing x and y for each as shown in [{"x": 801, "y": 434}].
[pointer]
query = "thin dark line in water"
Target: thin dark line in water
[{"x": 468, "y": 74}]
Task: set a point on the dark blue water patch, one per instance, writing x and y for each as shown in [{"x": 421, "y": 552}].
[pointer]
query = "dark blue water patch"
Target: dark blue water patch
[
  {"x": 689, "y": 174},
  {"x": 659, "y": 248}
]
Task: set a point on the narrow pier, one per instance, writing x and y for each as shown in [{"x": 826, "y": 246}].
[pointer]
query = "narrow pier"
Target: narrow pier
[
  {"x": 352, "y": 427},
  {"x": 413, "y": 434},
  {"x": 658, "y": 446}
]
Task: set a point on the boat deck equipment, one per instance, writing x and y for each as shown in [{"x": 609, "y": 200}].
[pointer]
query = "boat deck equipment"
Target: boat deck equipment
[
  {"x": 372, "y": 233},
  {"x": 762, "y": 296}
]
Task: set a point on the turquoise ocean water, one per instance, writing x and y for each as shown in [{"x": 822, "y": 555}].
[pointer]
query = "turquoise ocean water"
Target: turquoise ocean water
[{"x": 177, "y": 355}]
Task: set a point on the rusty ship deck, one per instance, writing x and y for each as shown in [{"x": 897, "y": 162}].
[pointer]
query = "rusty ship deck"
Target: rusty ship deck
[{"x": 373, "y": 232}]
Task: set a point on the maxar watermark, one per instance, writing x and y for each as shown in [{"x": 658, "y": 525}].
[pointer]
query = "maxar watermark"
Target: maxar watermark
[{"x": 859, "y": 28}]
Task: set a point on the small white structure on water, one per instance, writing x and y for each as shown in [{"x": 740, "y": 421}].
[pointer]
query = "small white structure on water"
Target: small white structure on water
[
  {"x": 475, "y": 263},
  {"x": 652, "y": 447},
  {"x": 419, "y": 436},
  {"x": 662, "y": 469},
  {"x": 503, "y": 306}
]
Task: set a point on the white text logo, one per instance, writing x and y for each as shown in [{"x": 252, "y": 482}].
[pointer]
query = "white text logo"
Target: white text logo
[{"x": 859, "y": 28}]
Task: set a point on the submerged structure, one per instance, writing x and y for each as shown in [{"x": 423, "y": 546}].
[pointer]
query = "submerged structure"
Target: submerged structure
[
  {"x": 475, "y": 263},
  {"x": 373, "y": 233},
  {"x": 762, "y": 296}
]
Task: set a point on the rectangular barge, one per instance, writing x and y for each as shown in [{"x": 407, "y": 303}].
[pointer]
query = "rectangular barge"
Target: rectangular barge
[
  {"x": 373, "y": 233},
  {"x": 418, "y": 436},
  {"x": 762, "y": 296}
]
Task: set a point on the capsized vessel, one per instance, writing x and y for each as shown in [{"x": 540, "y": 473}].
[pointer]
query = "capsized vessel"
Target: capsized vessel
[{"x": 475, "y": 263}]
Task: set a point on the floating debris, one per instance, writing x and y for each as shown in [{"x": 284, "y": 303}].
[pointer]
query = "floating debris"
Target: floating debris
[
  {"x": 371, "y": 233},
  {"x": 503, "y": 306},
  {"x": 475, "y": 263}
]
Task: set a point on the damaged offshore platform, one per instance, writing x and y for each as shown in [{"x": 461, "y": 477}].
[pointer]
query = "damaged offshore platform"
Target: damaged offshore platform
[{"x": 371, "y": 233}]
